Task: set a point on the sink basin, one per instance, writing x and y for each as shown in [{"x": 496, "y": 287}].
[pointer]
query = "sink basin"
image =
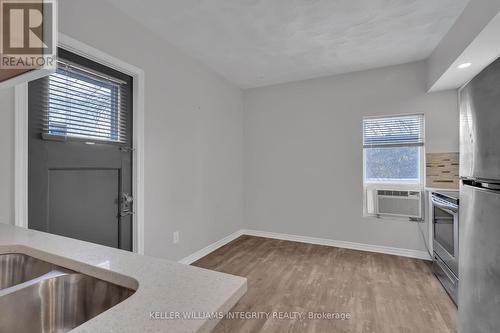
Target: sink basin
[
  {"x": 19, "y": 268},
  {"x": 56, "y": 302}
]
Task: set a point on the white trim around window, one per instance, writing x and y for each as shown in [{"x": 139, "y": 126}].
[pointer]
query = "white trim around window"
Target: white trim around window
[
  {"x": 417, "y": 140},
  {"x": 21, "y": 137}
]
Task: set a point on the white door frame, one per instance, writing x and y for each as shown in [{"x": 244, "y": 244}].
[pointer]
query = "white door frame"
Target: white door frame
[{"x": 21, "y": 138}]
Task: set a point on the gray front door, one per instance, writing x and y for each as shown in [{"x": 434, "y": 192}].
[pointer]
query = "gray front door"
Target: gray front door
[{"x": 80, "y": 156}]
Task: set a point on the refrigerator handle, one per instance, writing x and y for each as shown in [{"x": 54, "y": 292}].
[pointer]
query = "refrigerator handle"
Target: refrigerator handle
[{"x": 482, "y": 184}]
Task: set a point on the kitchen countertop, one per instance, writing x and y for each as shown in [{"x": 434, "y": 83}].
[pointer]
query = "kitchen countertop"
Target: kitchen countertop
[
  {"x": 160, "y": 285},
  {"x": 435, "y": 189}
]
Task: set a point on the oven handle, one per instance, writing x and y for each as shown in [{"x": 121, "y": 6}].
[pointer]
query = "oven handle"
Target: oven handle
[{"x": 450, "y": 209}]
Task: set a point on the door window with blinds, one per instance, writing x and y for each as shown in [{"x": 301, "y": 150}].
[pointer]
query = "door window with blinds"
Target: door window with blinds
[
  {"x": 393, "y": 149},
  {"x": 83, "y": 103}
]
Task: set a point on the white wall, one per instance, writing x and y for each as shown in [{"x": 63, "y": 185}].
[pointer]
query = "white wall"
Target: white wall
[
  {"x": 193, "y": 139},
  {"x": 303, "y": 151}
]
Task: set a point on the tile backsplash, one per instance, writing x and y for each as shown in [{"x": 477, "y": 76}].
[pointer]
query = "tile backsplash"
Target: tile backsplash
[{"x": 442, "y": 170}]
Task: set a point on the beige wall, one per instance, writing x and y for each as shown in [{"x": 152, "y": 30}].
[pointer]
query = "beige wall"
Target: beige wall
[{"x": 303, "y": 155}]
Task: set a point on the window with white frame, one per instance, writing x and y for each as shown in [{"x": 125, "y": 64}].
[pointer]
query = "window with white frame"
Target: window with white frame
[
  {"x": 84, "y": 104},
  {"x": 393, "y": 156}
]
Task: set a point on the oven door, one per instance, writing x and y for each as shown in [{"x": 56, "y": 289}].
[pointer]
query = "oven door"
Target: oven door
[{"x": 445, "y": 225}]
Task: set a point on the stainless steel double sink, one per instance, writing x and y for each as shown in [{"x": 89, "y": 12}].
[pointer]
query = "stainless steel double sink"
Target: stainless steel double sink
[{"x": 37, "y": 296}]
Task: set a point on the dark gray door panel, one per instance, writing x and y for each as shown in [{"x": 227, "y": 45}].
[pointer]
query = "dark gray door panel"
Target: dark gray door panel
[
  {"x": 84, "y": 202},
  {"x": 75, "y": 185}
]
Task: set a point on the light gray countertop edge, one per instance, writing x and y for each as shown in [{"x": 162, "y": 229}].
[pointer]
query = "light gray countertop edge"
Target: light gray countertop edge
[
  {"x": 161, "y": 285},
  {"x": 436, "y": 189}
]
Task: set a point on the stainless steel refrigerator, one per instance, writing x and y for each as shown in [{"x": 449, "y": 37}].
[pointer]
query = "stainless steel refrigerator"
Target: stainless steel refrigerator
[{"x": 479, "y": 234}]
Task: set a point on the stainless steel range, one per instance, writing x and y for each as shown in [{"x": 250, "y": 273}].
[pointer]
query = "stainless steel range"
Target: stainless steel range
[{"x": 445, "y": 242}]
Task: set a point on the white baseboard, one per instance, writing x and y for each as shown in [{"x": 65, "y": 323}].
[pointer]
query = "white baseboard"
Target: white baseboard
[
  {"x": 341, "y": 244},
  {"x": 210, "y": 248},
  {"x": 310, "y": 240}
]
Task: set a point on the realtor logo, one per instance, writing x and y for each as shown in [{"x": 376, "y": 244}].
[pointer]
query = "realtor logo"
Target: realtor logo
[{"x": 27, "y": 34}]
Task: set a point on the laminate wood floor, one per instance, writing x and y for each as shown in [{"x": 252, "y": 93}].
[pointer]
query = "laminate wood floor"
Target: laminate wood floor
[{"x": 382, "y": 293}]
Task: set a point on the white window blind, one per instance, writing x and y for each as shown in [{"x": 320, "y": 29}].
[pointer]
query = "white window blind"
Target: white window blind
[
  {"x": 393, "y": 131},
  {"x": 84, "y": 104},
  {"x": 392, "y": 149}
]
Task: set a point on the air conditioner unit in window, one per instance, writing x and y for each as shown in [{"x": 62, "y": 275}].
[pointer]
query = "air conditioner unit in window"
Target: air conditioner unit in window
[{"x": 399, "y": 203}]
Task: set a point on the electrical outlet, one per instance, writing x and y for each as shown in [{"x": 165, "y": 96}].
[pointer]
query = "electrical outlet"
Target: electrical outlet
[{"x": 176, "y": 237}]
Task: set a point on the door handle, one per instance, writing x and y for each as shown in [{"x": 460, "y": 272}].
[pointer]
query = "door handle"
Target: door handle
[
  {"x": 124, "y": 214},
  {"x": 127, "y": 198},
  {"x": 126, "y": 204}
]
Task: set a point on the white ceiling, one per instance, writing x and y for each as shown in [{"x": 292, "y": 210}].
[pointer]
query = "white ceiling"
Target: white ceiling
[{"x": 261, "y": 42}]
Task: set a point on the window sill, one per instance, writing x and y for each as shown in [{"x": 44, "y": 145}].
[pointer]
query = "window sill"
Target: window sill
[
  {"x": 393, "y": 218},
  {"x": 406, "y": 183}
]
